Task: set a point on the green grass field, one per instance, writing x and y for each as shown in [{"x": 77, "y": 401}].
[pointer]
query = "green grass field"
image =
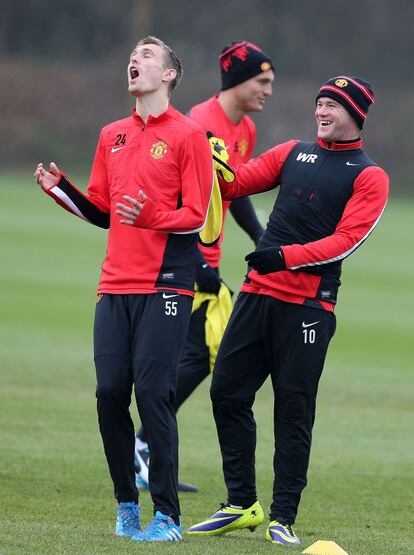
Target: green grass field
[{"x": 56, "y": 495}]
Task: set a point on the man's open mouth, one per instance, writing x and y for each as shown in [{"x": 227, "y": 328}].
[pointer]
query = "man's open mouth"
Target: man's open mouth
[{"x": 134, "y": 73}]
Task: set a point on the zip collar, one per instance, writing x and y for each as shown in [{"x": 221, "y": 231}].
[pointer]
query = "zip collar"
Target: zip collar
[
  {"x": 152, "y": 119},
  {"x": 354, "y": 144}
]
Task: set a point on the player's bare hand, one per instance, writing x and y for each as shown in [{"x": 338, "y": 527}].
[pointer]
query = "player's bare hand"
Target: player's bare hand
[
  {"x": 47, "y": 179},
  {"x": 132, "y": 210}
]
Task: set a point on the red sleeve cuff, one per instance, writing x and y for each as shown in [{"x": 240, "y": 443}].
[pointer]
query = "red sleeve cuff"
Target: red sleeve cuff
[{"x": 147, "y": 214}]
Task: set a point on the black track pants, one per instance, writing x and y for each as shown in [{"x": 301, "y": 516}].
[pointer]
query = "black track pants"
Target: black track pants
[
  {"x": 138, "y": 341},
  {"x": 288, "y": 341},
  {"x": 194, "y": 365}
]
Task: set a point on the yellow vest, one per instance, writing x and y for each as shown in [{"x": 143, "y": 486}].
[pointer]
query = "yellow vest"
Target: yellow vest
[
  {"x": 217, "y": 315},
  {"x": 210, "y": 233}
]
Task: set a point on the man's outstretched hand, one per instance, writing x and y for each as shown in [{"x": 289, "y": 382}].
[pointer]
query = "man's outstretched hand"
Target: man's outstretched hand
[{"x": 47, "y": 179}]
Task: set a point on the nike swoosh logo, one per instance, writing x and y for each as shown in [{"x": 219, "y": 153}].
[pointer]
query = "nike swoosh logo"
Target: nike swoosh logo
[
  {"x": 115, "y": 149},
  {"x": 352, "y": 164},
  {"x": 165, "y": 296},
  {"x": 204, "y": 265},
  {"x": 308, "y": 325}
]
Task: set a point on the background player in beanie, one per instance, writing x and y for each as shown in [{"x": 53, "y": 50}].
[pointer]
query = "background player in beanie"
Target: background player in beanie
[
  {"x": 247, "y": 74},
  {"x": 331, "y": 197},
  {"x": 150, "y": 183},
  {"x": 240, "y": 61}
]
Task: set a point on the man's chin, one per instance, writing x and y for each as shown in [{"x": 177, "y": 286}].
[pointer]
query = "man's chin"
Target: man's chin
[
  {"x": 133, "y": 91},
  {"x": 256, "y": 107},
  {"x": 324, "y": 136}
]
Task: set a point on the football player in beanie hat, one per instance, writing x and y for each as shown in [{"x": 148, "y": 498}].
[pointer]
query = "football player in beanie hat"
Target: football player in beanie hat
[
  {"x": 354, "y": 94},
  {"x": 331, "y": 197},
  {"x": 247, "y": 75}
]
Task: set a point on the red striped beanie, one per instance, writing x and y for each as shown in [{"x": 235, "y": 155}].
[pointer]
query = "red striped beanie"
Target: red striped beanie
[
  {"x": 353, "y": 93},
  {"x": 240, "y": 61}
]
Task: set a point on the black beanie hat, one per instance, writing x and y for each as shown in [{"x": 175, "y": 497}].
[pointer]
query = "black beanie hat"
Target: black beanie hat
[
  {"x": 240, "y": 61},
  {"x": 353, "y": 93}
]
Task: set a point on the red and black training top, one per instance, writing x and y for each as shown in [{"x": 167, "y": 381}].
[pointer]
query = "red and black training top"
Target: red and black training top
[
  {"x": 331, "y": 197},
  {"x": 240, "y": 140},
  {"x": 169, "y": 158}
]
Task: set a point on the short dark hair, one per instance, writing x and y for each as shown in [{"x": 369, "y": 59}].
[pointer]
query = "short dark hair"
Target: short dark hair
[{"x": 171, "y": 59}]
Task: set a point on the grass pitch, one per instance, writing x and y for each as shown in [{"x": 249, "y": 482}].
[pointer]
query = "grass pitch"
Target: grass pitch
[{"x": 55, "y": 492}]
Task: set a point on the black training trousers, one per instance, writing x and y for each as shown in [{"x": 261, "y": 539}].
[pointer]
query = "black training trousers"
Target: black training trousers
[
  {"x": 288, "y": 341},
  {"x": 138, "y": 341},
  {"x": 194, "y": 365}
]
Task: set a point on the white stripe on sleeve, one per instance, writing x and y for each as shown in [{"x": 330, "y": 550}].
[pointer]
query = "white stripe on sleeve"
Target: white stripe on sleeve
[{"x": 68, "y": 202}]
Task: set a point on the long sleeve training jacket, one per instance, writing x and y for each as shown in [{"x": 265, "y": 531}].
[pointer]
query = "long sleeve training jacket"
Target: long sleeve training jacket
[
  {"x": 330, "y": 199},
  {"x": 169, "y": 159}
]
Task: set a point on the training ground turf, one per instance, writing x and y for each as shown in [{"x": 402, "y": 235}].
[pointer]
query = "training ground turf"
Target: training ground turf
[{"x": 55, "y": 492}]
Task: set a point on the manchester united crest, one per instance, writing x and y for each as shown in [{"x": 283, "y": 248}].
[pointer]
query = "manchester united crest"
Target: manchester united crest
[
  {"x": 341, "y": 83},
  {"x": 242, "y": 146},
  {"x": 159, "y": 150}
]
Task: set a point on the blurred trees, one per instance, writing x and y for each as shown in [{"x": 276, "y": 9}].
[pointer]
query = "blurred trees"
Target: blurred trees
[
  {"x": 64, "y": 30},
  {"x": 63, "y": 63}
]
